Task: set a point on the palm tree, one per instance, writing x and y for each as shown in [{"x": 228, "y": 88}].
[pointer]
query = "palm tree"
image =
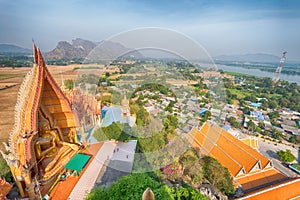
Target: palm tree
[{"x": 251, "y": 126}]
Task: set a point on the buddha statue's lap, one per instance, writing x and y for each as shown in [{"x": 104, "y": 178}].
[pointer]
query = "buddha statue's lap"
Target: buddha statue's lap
[{"x": 59, "y": 158}]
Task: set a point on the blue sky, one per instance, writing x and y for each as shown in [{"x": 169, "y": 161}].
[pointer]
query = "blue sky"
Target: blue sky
[{"x": 222, "y": 27}]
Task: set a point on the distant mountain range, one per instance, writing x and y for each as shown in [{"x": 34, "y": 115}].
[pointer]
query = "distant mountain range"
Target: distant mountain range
[
  {"x": 258, "y": 57},
  {"x": 13, "y": 49},
  {"x": 80, "y": 48}
]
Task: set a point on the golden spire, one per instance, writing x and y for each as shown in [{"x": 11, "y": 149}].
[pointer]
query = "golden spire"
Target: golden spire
[
  {"x": 41, "y": 61},
  {"x": 35, "y": 56}
]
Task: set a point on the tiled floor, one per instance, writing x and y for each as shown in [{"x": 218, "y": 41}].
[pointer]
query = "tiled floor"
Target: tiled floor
[
  {"x": 119, "y": 165},
  {"x": 124, "y": 151}
]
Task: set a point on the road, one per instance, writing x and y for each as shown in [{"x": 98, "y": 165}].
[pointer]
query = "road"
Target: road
[{"x": 269, "y": 149}]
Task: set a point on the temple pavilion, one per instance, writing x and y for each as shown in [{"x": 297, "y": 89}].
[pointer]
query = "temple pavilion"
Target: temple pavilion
[{"x": 43, "y": 139}]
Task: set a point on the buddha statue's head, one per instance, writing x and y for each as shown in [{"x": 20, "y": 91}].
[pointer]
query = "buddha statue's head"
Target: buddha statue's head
[{"x": 44, "y": 125}]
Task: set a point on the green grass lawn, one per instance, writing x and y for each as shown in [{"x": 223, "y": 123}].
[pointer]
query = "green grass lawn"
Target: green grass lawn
[
  {"x": 242, "y": 94},
  {"x": 296, "y": 166},
  {"x": 239, "y": 74},
  {"x": 239, "y": 93}
]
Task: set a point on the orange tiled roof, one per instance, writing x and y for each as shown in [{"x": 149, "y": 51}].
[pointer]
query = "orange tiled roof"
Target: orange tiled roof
[
  {"x": 5, "y": 187},
  {"x": 260, "y": 178},
  {"x": 288, "y": 190},
  {"x": 235, "y": 168},
  {"x": 250, "y": 169},
  {"x": 264, "y": 162},
  {"x": 238, "y": 154},
  {"x": 194, "y": 138},
  {"x": 208, "y": 147},
  {"x": 250, "y": 141},
  {"x": 228, "y": 150}
]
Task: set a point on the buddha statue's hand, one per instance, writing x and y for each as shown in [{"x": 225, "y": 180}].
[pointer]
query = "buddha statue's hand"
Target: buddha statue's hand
[{"x": 73, "y": 146}]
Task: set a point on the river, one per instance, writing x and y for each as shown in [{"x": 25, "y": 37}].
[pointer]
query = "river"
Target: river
[{"x": 255, "y": 72}]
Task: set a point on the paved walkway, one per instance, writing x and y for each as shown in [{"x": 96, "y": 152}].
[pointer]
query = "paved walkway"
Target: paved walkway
[
  {"x": 124, "y": 151},
  {"x": 119, "y": 165},
  {"x": 88, "y": 179}
]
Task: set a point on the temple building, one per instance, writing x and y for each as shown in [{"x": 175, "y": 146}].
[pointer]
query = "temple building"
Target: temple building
[
  {"x": 125, "y": 107},
  {"x": 117, "y": 114},
  {"x": 85, "y": 105},
  {"x": 43, "y": 138},
  {"x": 252, "y": 172}
]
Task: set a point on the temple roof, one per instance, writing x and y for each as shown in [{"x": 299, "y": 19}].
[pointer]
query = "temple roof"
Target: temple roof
[
  {"x": 287, "y": 190},
  {"x": 263, "y": 177},
  {"x": 251, "y": 141},
  {"x": 248, "y": 167},
  {"x": 37, "y": 90},
  {"x": 5, "y": 187},
  {"x": 238, "y": 157}
]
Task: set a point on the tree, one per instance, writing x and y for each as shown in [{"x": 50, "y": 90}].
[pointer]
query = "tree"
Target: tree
[
  {"x": 191, "y": 166},
  {"x": 274, "y": 114},
  {"x": 132, "y": 186},
  {"x": 294, "y": 139},
  {"x": 186, "y": 194},
  {"x": 152, "y": 144},
  {"x": 246, "y": 110},
  {"x": 234, "y": 123},
  {"x": 195, "y": 172},
  {"x": 221, "y": 71},
  {"x": 218, "y": 175},
  {"x": 273, "y": 104},
  {"x": 286, "y": 156},
  {"x": 206, "y": 115},
  {"x": 261, "y": 125},
  {"x": 173, "y": 172},
  {"x": 251, "y": 98},
  {"x": 251, "y": 126},
  {"x": 116, "y": 131},
  {"x": 5, "y": 171},
  {"x": 69, "y": 84},
  {"x": 171, "y": 122},
  {"x": 142, "y": 116},
  {"x": 276, "y": 134},
  {"x": 169, "y": 108}
]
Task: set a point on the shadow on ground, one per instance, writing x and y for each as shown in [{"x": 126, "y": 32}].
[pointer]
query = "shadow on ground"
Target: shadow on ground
[
  {"x": 272, "y": 154},
  {"x": 115, "y": 169}
]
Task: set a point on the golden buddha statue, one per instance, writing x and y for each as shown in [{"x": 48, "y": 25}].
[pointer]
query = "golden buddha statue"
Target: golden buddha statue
[{"x": 50, "y": 145}]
